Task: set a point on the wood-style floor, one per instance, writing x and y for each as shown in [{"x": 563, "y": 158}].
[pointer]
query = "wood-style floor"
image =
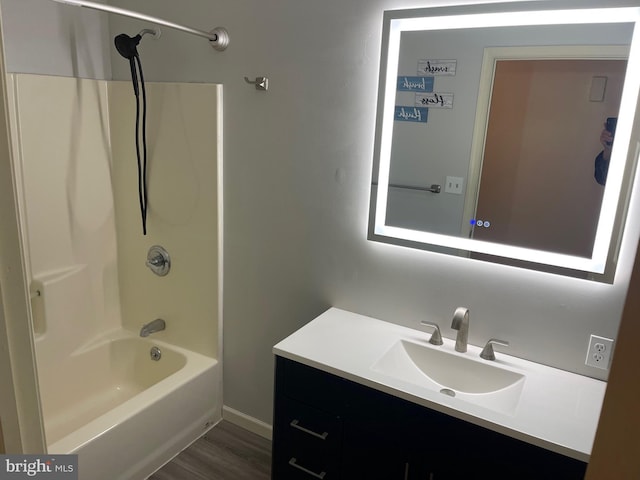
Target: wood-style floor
[{"x": 226, "y": 452}]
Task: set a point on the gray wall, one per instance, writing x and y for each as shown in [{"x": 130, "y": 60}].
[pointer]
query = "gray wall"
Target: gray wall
[
  {"x": 297, "y": 171},
  {"x": 46, "y": 37}
]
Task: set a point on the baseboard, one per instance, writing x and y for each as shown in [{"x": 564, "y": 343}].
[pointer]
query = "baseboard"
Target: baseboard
[{"x": 247, "y": 422}]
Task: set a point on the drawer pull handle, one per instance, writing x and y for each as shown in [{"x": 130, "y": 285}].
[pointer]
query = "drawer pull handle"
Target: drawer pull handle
[
  {"x": 293, "y": 463},
  {"x": 296, "y": 424}
]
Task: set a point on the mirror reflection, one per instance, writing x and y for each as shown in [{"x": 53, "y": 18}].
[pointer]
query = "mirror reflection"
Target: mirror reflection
[
  {"x": 498, "y": 140},
  {"x": 539, "y": 186}
]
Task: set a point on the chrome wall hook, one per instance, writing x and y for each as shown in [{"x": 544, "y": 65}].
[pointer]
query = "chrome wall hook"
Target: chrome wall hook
[{"x": 261, "y": 83}]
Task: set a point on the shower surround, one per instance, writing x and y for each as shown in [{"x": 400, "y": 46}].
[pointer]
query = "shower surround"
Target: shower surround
[{"x": 102, "y": 395}]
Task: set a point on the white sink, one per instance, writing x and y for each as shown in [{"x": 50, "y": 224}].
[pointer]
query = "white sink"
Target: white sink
[
  {"x": 453, "y": 374},
  {"x": 551, "y": 408}
]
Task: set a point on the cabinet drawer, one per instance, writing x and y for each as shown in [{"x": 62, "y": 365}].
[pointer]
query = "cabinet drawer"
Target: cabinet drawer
[
  {"x": 309, "y": 385},
  {"x": 307, "y": 428},
  {"x": 307, "y": 442},
  {"x": 302, "y": 469}
]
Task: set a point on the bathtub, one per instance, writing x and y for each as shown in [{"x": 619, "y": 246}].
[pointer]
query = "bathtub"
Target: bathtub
[{"x": 124, "y": 414}]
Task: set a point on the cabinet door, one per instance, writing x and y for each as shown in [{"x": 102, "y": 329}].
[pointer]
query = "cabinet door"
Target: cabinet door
[
  {"x": 421, "y": 468},
  {"x": 391, "y": 438},
  {"x": 366, "y": 456},
  {"x": 372, "y": 457},
  {"x": 471, "y": 451}
]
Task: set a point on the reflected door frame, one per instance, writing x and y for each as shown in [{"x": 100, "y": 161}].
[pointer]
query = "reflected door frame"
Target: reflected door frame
[{"x": 491, "y": 56}]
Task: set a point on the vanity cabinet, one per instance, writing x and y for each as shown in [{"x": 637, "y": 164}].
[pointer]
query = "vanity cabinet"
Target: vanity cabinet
[{"x": 327, "y": 427}]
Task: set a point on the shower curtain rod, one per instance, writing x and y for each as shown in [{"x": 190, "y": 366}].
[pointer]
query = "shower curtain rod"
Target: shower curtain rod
[{"x": 218, "y": 37}]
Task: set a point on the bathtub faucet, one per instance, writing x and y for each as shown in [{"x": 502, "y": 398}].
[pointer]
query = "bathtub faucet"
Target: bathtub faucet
[{"x": 152, "y": 327}]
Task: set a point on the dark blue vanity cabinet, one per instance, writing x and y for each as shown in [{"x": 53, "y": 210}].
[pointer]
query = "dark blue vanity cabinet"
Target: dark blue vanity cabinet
[{"x": 326, "y": 427}]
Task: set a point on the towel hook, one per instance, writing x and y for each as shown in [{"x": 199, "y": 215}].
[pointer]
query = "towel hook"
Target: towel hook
[{"x": 261, "y": 83}]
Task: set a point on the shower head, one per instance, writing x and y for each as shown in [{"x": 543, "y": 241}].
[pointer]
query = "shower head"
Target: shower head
[{"x": 126, "y": 45}]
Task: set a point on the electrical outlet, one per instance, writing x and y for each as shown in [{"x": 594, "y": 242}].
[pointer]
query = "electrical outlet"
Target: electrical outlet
[
  {"x": 599, "y": 353},
  {"x": 454, "y": 185}
]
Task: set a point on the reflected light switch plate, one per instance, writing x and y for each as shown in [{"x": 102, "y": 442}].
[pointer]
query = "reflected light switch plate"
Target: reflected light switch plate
[{"x": 598, "y": 89}]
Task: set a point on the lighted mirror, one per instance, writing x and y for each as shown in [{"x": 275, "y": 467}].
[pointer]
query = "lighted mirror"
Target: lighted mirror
[{"x": 505, "y": 135}]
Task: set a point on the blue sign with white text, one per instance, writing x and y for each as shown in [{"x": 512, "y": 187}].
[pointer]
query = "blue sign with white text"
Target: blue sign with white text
[
  {"x": 415, "y": 84},
  {"x": 411, "y": 114}
]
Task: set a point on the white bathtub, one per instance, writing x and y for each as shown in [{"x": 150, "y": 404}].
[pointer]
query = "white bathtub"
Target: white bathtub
[{"x": 124, "y": 414}]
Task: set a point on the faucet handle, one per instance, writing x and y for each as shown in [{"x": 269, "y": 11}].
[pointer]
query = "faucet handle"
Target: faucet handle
[
  {"x": 158, "y": 260},
  {"x": 436, "y": 337},
  {"x": 488, "y": 353}
]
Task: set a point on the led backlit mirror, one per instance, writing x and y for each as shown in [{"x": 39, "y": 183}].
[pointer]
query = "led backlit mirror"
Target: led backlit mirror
[{"x": 493, "y": 132}]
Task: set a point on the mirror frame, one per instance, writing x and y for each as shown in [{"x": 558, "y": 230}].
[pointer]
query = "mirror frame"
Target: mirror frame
[{"x": 601, "y": 265}]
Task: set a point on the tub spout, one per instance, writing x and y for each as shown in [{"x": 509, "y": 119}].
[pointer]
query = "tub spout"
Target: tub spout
[{"x": 152, "y": 327}]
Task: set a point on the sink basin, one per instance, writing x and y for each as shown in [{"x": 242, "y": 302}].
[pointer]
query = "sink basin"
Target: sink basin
[{"x": 455, "y": 375}]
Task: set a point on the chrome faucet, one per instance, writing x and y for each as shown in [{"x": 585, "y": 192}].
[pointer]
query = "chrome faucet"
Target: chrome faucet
[
  {"x": 152, "y": 327},
  {"x": 460, "y": 323}
]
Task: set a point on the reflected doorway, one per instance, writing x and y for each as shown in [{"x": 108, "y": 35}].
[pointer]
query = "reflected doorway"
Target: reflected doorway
[{"x": 537, "y": 187}]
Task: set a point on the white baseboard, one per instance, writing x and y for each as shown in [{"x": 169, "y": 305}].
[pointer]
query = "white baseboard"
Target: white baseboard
[{"x": 248, "y": 423}]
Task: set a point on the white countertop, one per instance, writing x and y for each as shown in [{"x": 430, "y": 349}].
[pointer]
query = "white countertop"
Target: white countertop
[{"x": 558, "y": 410}]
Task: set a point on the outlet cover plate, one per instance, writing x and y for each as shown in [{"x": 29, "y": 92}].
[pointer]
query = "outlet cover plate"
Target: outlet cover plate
[
  {"x": 599, "y": 352},
  {"x": 454, "y": 185}
]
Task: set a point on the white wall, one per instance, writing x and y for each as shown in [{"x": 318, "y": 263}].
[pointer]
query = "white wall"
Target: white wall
[
  {"x": 297, "y": 172},
  {"x": 62, "y": 150},
  {"x": 182, "y": 176}
]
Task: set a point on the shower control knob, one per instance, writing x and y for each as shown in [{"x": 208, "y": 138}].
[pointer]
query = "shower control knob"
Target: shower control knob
[{"x": 158, "y": 260}]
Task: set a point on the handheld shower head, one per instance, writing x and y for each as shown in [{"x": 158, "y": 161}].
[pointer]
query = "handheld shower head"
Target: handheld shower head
[{"x": 126, "y": 45}]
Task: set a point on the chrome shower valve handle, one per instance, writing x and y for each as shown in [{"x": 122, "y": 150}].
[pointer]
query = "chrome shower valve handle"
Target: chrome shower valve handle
[{"x": 158, "y": 260}]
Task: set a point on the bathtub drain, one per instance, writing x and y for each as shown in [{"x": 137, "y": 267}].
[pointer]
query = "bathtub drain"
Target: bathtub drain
[{"x": 155, "y": 353}]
